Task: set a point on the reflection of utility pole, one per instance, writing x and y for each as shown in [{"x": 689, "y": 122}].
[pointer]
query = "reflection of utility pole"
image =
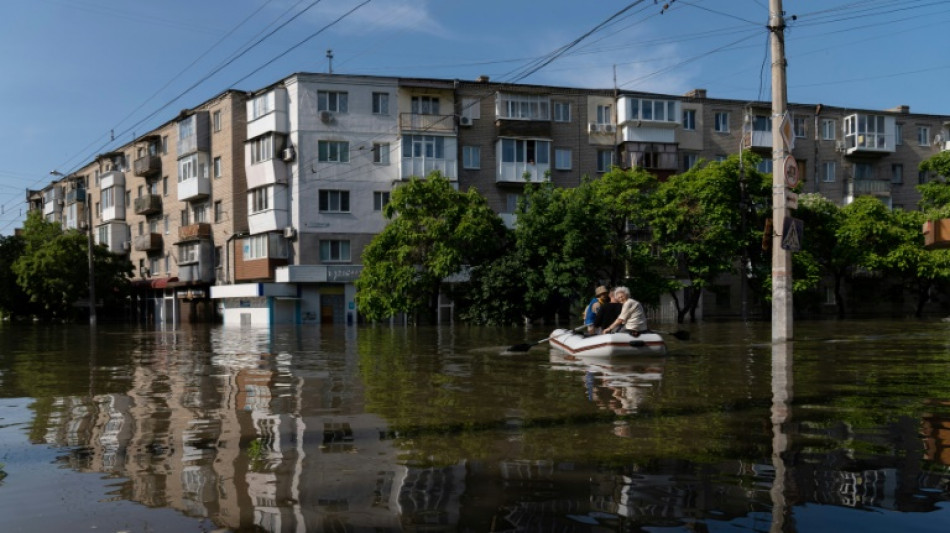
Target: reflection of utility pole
[{"x": 781, "y": 258}]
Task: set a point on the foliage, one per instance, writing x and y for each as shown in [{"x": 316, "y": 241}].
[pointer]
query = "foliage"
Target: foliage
[
  {"x": 14, "y": 303},
  {"x": 433, "y": 232},
  {"x": 822, "y": 254}
]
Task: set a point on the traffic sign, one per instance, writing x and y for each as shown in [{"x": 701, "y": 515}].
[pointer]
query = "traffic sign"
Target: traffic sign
[
  {"x": 791, "y": 172},
  {"x": 791, "y": 200},
  {"x": 788, "y": 132},
  {"x": 792, "y": 234}
]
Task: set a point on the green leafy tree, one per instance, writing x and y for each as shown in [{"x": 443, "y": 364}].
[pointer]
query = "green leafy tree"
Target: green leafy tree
[
  {"x": 14, "y": 303},
  {"x": 919, "y": 270},
  {"x": 822, "y": 253},
  {"x": 433, "y": 232}
]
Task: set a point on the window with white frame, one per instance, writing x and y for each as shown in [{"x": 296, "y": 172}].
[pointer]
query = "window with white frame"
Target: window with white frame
[
  {"x": 689, "y": 161},
  {"x": 798, "y": 127},
  {"x": 334, "y": 201},
  {"x": 511, "y": 202},
  {"x": 381, "y": 153},
  {"x": 380, "y": 103},
  {"x": 217, "y": 167},
  {"x": 429, "y": 146},
  {"x": 828, "y": 128},
  {"x": 923, "y": 136},
  {"x": 261, "y": 105},
  {"x": 334, "y": 251},
  {"x": 218, "y": 211},
  {"x": 380, "y": 199},
  {"x": 528, "y": 151},
  {"x": 689, "y": 119},
  {"x": 471, "y": 157},
  {"x": 333, "y": 151},
  {"x": 605, "y": 160},
  {"x": 186, "y": 128},
  {"x": 562, "y": 111},
  {"x": 722, "y": 122},
  {"x": 102, "y": 235},
  {"x": 255, "y": 247},
  {"x": 523, "y": 106},
  {"x": 201, "y": 213},
  {"x": 259, "y": 199},
  {"x": 424, "y": 105},
  {"x": 651, "y": 109},
  {"x": 605, "y": 114},
  {"x": 829, "y": 171},
  {"x": 188, "y": 252},
  {"x": 192, "y": 166},
  {"x": 562, "y": 159},
  {"x": 262, "y": 149},
  {"x": 154, "y": 265},
  {"x": 185, "y": 217},
  {"x": 216, "y": 121},
  {"x": 335, "y": 101},
  {"x": 153, "y": 225},
  {"x": 898, "y": 134},
  {"x": 897, "y": 173},
  {"x": 108, "y": 198}
]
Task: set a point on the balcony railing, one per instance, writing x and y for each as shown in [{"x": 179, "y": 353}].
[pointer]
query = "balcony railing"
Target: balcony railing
[
  {"x": 194, "y": 232},
  {"x": 148, "y": 204},
  {"x": 149, "y": 242},
  {"x": 147, "y": 166},
  {"x": 419, "y": 122},
  {"x": 75, "y": 196},
  {"x": 873, "y": 187}
]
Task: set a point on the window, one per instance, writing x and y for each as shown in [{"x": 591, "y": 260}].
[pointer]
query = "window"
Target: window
[
  {"x": 865, "y": 131},
  {"x": 922, "y": 177},
  {"x": 260, "y": 199},
  {"x": 525, "y": 151},
  {"x": 186, "y": 128},
  {"x": 153, "y": 225},
  {"x": 334, "y": 201},
  {"x": 218, "y": 212},
  {"x": 471, "y": 157},
  {"x": 689, "y": 119},
  {"x": 201, "y": 213},
  {"x": 523, "y": 106},
  {"x": 562, "y": 111},
  {"x": 897, "y": 173},
  {"x": 216, "y": 120},
  {"x": 191, "y": 167},
  {"x": 511, "y": 202},
  {"x": 108, "y": 198},
  {"x": 380, "y": 103},
  {"x": 164, "y": 185},
  {"x": 898, "y": 134},
  {"x": 218, "y": 255},
  {"x": 863, "y": 171},
  {"x": 425, "y": 105},
  {"x": 423, "y": 146},
  {"x": 332, "y": 101},
  {"x": 331, "y": 251},
  {"x": 604, "y": 114},
  {"x": 923, "y": 136},
  {"x": 380, "y": 199},
  {"x": 605, "y": 159},
  {"x": 333, "y": 151},
  {"x": 141, "y": 228},
  {"x": 255, "y": 247},
  {"x": 764, "y": 166},
  {"x": 164, "y": 144},
  {"x": 185, "y": 217},
  {"x": 128, "y": 197},
  {"x": 166, "y": 224},
  {"x": 188, "y": 253},
  {"x": 261, "y": 105},
  {"x": 649, "y": 109},
  {"x": 471, "y": 108},
  {"x": 652, "y": 155},
  {"x": 760, "y": 123},
  {"x": 381, "y": 153},
  {"x": 217, "y": 167},
  {"x": 262, "y": 149},
  {"x": 798, "y": 127},
  {"x": 828, "y": 128},
  {"x": 562, "y": 159},
  {"x": 722, "y": 122},
  {"x": 689, "y": 161},
  {"x": 828, "y": 171}
]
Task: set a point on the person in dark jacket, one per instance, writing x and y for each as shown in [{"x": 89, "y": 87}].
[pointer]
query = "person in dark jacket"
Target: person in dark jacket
[{"x": 607, "y": 313}]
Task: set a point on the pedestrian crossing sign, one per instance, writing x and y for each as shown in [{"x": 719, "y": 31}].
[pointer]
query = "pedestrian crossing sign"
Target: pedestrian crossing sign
[{"x": 792, "y": 234}]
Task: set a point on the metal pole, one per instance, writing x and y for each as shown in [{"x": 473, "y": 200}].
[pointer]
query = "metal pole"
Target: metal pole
[
  {"x": 92, "y": 272},
  {"x": 781, "y": 259}
]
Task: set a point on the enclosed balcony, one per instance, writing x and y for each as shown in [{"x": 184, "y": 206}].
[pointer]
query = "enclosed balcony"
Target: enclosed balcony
[
  {"x": 194, "y": 232},
  {"x": 194, "y": 133},
  {"x": 149, "y": 242},
  {"x": 523, "y": 159},
  {"x": 75, "y": 196},
  {"x": 869, "y": 134},
  {"x": 148, "y": 165},
  {"x": 427, "y": 122},
  {"x": 148, "y": 204},
  {"x": 871, "y": 187},
  {"x": 193, "y": 182}
]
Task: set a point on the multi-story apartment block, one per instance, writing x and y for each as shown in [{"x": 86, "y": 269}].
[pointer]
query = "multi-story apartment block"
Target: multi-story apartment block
[{"x": 265, "y": 201}]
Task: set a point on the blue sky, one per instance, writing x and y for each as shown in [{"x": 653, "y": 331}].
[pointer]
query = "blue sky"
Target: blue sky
[{"x": 78, "y": 72}]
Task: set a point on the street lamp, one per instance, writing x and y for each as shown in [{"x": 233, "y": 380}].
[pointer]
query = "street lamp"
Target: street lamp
[{"x": 92, "y": 272}]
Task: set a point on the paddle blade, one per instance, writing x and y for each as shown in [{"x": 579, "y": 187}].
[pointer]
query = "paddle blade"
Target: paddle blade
[{"x": 520, "y": 348}]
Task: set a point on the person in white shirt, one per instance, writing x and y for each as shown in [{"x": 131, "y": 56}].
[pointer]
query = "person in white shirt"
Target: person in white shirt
[{"x": 632, "y": 319}]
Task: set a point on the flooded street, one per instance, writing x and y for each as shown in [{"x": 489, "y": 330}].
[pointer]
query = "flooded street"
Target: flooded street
[{"x": 441, "y": 429}]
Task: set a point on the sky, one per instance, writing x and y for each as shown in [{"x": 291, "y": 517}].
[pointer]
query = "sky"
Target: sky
[{"x": 81, "y": 77}]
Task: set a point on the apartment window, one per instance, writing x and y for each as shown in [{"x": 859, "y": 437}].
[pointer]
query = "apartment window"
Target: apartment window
[
  {"x": 217, "y": 167},
  {"x": 218, "y": 211},
  {"x": 525, "y": 151},
  {"x": 798, "y": 127},
  {"x": 429, "y": 146},
  {"x": 332, "y": 201},
  {"x": 562, "y": 111},
  {"x": 828, "y": 128},
  {"x": 261, "y": 105},
  {"x": 897, "y": 173},
  {"x": 186, "y": 128},
  {"x": 262, "y": 149},
  {"x": 604, "y": 114},
  {"x": 335, "y": 101},
  {"x": 333, "y": 151},
  {"x": 260, "y": 199},
  {"x": 829, "y": 171},
  {"x": 141, "y": 228},
  {"x": 255, "y": 247},
  {"x": 923, "y": 136},
  {"x": 154, "y": 265},
  {"x": 425, "y": 105},
  {"x": 381, "y": 153},
  {"x": 191, "y": 167},
  {"x": 689, "y": 161},
  {"x": 652, "y": 155},
  {"x": 722, "y": 122},
  {"x": 153, "y": 225},
  {"x": 380, "y": 103},
  {"x": 921, "y": 177},
  {"x": 689, "y": 119},
  {"x": 898, "y": 134},
  {"x": 185, "y": 217},
  {"x": 760, "y": 123},
  {"x": 471, "y": 157},
  {"x": 201, "y": 213},
  {"x": 216, "y": 120},
  {"x": 166, "y": 223},
  {"x": 334, "y": 251},
  {"x": 102, "y": 235},
  {"x": 164, "y": 185},
  {"x": 108, "y": 198},
  {"x": 168, "y": 260},
  {"x": 764, "y": 166},
  {"x": 511, "y": 202},
  {"x": 562, "y": 159},
  {"x": 164, "y": 147},
  {"x": 471, "y": 108},
  {"x": 523, "y": 106},
  {"x": 654, "y": 110},
  {"x": 863, "y": 171},
  {"x": 605, "y": 159},
  {"x": 380, "y": 199},
  {"x": 188, "y": 252}
]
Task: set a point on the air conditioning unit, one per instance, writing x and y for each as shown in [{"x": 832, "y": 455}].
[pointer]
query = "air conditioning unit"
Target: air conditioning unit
[
  {"x": 465, "y": 121},
  {"x": 326, "y": 117},
  {"x": 839, "y": 146},
  {"x": 609, "y": 128},
  {"x": 290, "y": 233},
  {"x": 593, "y": 127},
  {"x": 288, "y": 154}
]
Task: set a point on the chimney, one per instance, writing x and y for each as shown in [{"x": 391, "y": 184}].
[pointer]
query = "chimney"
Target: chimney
[
  {"x": 696, "y": 93},
  {"x": 902, "y": 109},
  {"x": 482, "y": 79}
]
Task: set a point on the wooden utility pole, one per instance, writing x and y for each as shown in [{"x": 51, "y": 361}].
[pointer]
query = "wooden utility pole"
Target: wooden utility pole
[{"x": 781, "y": 258}]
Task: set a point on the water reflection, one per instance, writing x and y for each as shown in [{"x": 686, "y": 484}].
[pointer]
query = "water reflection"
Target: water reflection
[{"x": 390, "y": 429}]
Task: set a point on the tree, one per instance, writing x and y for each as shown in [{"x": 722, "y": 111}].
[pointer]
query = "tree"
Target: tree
[
  {"x": 433, "y": 232},
  {"x": 918, "y": 270},
  {"x": 822, "y": 253},
  {"x": 14, "y": 303}
]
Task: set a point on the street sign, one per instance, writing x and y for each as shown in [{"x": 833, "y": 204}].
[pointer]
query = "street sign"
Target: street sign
[
  {"x": 791, "y": 200},
  {"x": 788, "y": 132},
  {"x": 791, "y": 172},
  {"x": 792, "y": 234}
]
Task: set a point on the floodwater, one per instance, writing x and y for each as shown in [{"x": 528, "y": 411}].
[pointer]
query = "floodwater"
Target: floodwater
[{"x": 440, "y": 429}]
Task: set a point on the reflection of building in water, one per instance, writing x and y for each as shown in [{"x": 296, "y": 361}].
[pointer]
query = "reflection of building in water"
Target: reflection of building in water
[{"x": 935, "y": 430}]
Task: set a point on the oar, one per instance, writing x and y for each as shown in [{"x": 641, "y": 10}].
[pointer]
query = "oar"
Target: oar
[
  {"x": 680, "y": 334},
  {"x": 526, "y": 347}
]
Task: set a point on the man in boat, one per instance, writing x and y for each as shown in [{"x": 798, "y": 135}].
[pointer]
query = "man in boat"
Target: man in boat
[
  {"x": 607, "y": 313},
  {"x": 632, "y": 318},
  {"x": 601, "y": 296}
]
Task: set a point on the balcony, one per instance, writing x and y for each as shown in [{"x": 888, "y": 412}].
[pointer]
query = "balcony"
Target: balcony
[
  {"x": 150, "y": 242},
  {"x": 194, "y": 189},
  {"x": 427, "y": 123},
  {"x": 869, "y": 134},
  {"x": 871, "y": 187},
  {"x": 146, "y": 166},
  {"x": 194, "y": 232},
  {"x": 75, "y": 196},
  {"x": 148, "y": 204}
]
